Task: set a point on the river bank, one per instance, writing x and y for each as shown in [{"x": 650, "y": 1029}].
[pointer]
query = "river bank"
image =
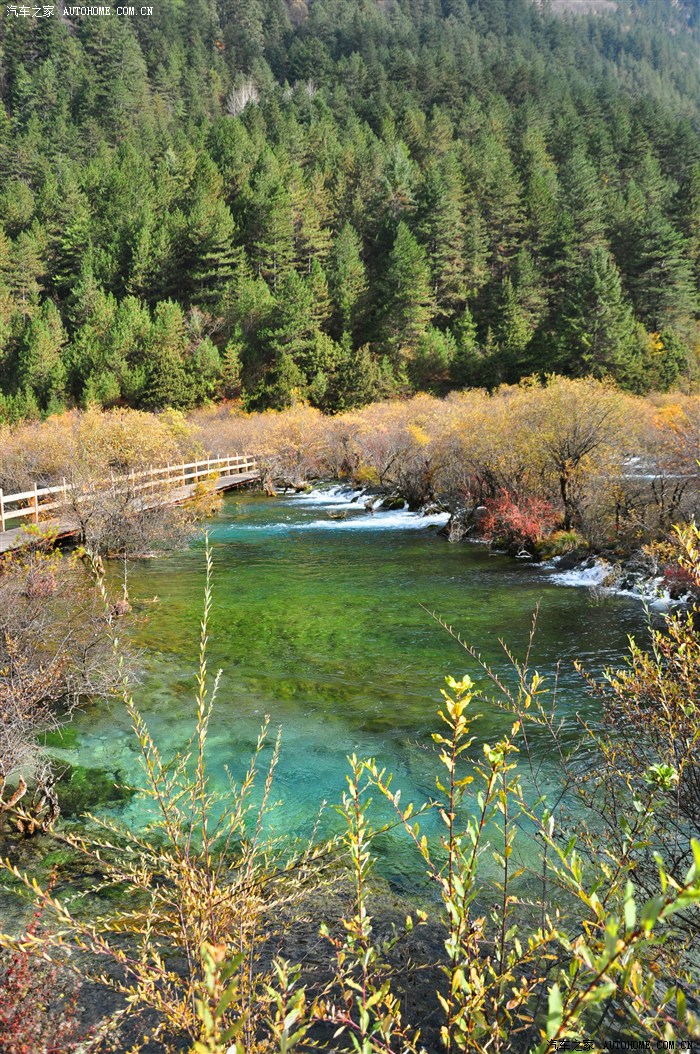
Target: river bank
[{"x": 650, "y": 573}]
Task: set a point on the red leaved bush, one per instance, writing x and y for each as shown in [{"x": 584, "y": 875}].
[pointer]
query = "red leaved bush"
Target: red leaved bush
[
  {"x": 679, "y": 580},
  {"x": 38, "y": 1013},
  {"x": 522, "y": 523}
]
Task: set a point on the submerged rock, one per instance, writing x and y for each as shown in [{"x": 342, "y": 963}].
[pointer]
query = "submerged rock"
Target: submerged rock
[
  {"x": 81, "y": 789},
  {"x": 393, "y": 503}
]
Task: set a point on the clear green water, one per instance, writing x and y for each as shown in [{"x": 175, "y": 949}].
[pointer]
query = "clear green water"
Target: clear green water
[{"x": 318, "y": 623}]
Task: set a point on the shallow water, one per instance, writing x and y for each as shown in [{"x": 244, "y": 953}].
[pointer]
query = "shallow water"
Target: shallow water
[{"x": 318, "y": 622}]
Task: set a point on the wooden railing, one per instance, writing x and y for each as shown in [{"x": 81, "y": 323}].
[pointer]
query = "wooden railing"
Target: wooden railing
[{"x": 29, "y": 504}]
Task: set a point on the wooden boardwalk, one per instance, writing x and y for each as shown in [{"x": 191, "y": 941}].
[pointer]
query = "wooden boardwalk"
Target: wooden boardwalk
[{"x": 176, "y": 483}]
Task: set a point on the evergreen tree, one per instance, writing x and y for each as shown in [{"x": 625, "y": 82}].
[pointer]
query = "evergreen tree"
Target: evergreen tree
[
  {"x": 442, "y": 231},
  {"x": 215, "y": 260},
  {"x": 204, "y": 364},
  {"x": 410, "y": 302},
  {"x": 232, "y": 368},
  {"x": 348, "y": 280},
  {"x": 512, "y": 333},
  {"x": 321, "y": 306},
  {"x": 687, "y": 215},
  {"x": 27, "y": 267},
  {"x": 598, "y": 335},
  {"x": 466, "y": 360},
  {"x": 41, "y": 369},
  {"x": 168, "y": 382},
  {"x": 270, "y": 223},
  {"x": 583, "y": 220},
  {"x": 430, "y": 367},
  {"x": 402, "y": 160},
  {"x": 662, "y": 283}
]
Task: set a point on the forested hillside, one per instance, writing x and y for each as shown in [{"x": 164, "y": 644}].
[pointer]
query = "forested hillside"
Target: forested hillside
[{"x": 345, "y": 199}]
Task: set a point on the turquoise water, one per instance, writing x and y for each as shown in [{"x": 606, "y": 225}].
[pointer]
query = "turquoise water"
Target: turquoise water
[{"x": 318, "y": 623}]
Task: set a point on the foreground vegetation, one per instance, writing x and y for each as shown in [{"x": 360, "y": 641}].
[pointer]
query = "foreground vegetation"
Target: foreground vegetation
[
  {"x": 345, "y": 200},
  {"x": 549, "y": 929}
]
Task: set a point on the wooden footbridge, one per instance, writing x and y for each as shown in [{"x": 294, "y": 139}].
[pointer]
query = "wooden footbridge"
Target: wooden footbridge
[{"x": 171, "y": 485}]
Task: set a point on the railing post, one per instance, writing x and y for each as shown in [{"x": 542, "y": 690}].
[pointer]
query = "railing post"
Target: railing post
[
  {"x": 2, "y": 511},
  {"x": 36, "y": 503}
]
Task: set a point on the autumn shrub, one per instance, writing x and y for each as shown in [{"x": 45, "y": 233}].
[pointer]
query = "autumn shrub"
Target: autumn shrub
[
  {"x": 560, "y": 542},
  {"x": 91, "y": 445},
  {"x": 104, "y": 460},
  {"x": 517, "y": 524},
  {"x": 55, "y": 650},
  {"x": 619, "y": 469},
  {"x": 38, "y": 1002},
  {"x": 288, "y": 445},
  {"x": 652, "y": 711}
]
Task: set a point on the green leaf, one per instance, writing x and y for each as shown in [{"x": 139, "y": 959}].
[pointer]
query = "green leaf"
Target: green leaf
[
  {"x": 651, "y": 912},
  {"x": 554, "y": 1011},
  {"x": 630, "y": 908},
  {"x": 227, "y": 998}
]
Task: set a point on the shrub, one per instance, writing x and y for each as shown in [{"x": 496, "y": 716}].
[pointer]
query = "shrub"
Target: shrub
[
  {"x": 38, "y": 1004},
  {"x": 517, "y": 523},
  {"x": 560, "y": 542}
]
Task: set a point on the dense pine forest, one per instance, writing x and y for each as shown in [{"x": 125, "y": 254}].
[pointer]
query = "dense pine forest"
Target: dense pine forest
[{"x": 342, "y": 200}]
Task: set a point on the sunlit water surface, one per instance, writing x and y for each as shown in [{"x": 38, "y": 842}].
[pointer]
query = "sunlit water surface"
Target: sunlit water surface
[{"x": 321, "y": 624}]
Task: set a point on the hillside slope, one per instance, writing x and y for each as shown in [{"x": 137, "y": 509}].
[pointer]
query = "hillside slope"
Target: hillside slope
[{"x": 345, "y": 199}]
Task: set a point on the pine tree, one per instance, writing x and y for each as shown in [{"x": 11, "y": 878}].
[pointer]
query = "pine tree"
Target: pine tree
[
  {"x": 293, "y": 329},
  {"x": 512, "y": 333},
  {"x": 583, "y": 219},
  {"x": 687, "y": 213},
  {"x": 17, "y": 206},
  {"x": 26, "y": 269},
  {"x": 542, "y": 198},
  {"x": 40, "y": 366},
  {"x": 348, "y": 280},
  {"x": 311, "y": 211},
  {"x": 168, "y": 382},
  {"x": 598, "y": 334},
  {"x": 204, "y": 367},
  {"x": 269, "y": 227},
  {"x": 430, "y": 367},
  {"x": 410, "y": 302},
  {"x": 500, "y": 203},
  {"x": 232, "y": 368},
  {"x": 355, "y": 380},
  {"x": 215, "y": 260},
  {"x": 441, "y": 229},
  {"x": 467, "y": 359},
  {"x": 662, "y": 283}
]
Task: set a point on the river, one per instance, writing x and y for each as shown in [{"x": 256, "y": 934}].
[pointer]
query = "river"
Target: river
[{"x": 318, "y": 622}]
